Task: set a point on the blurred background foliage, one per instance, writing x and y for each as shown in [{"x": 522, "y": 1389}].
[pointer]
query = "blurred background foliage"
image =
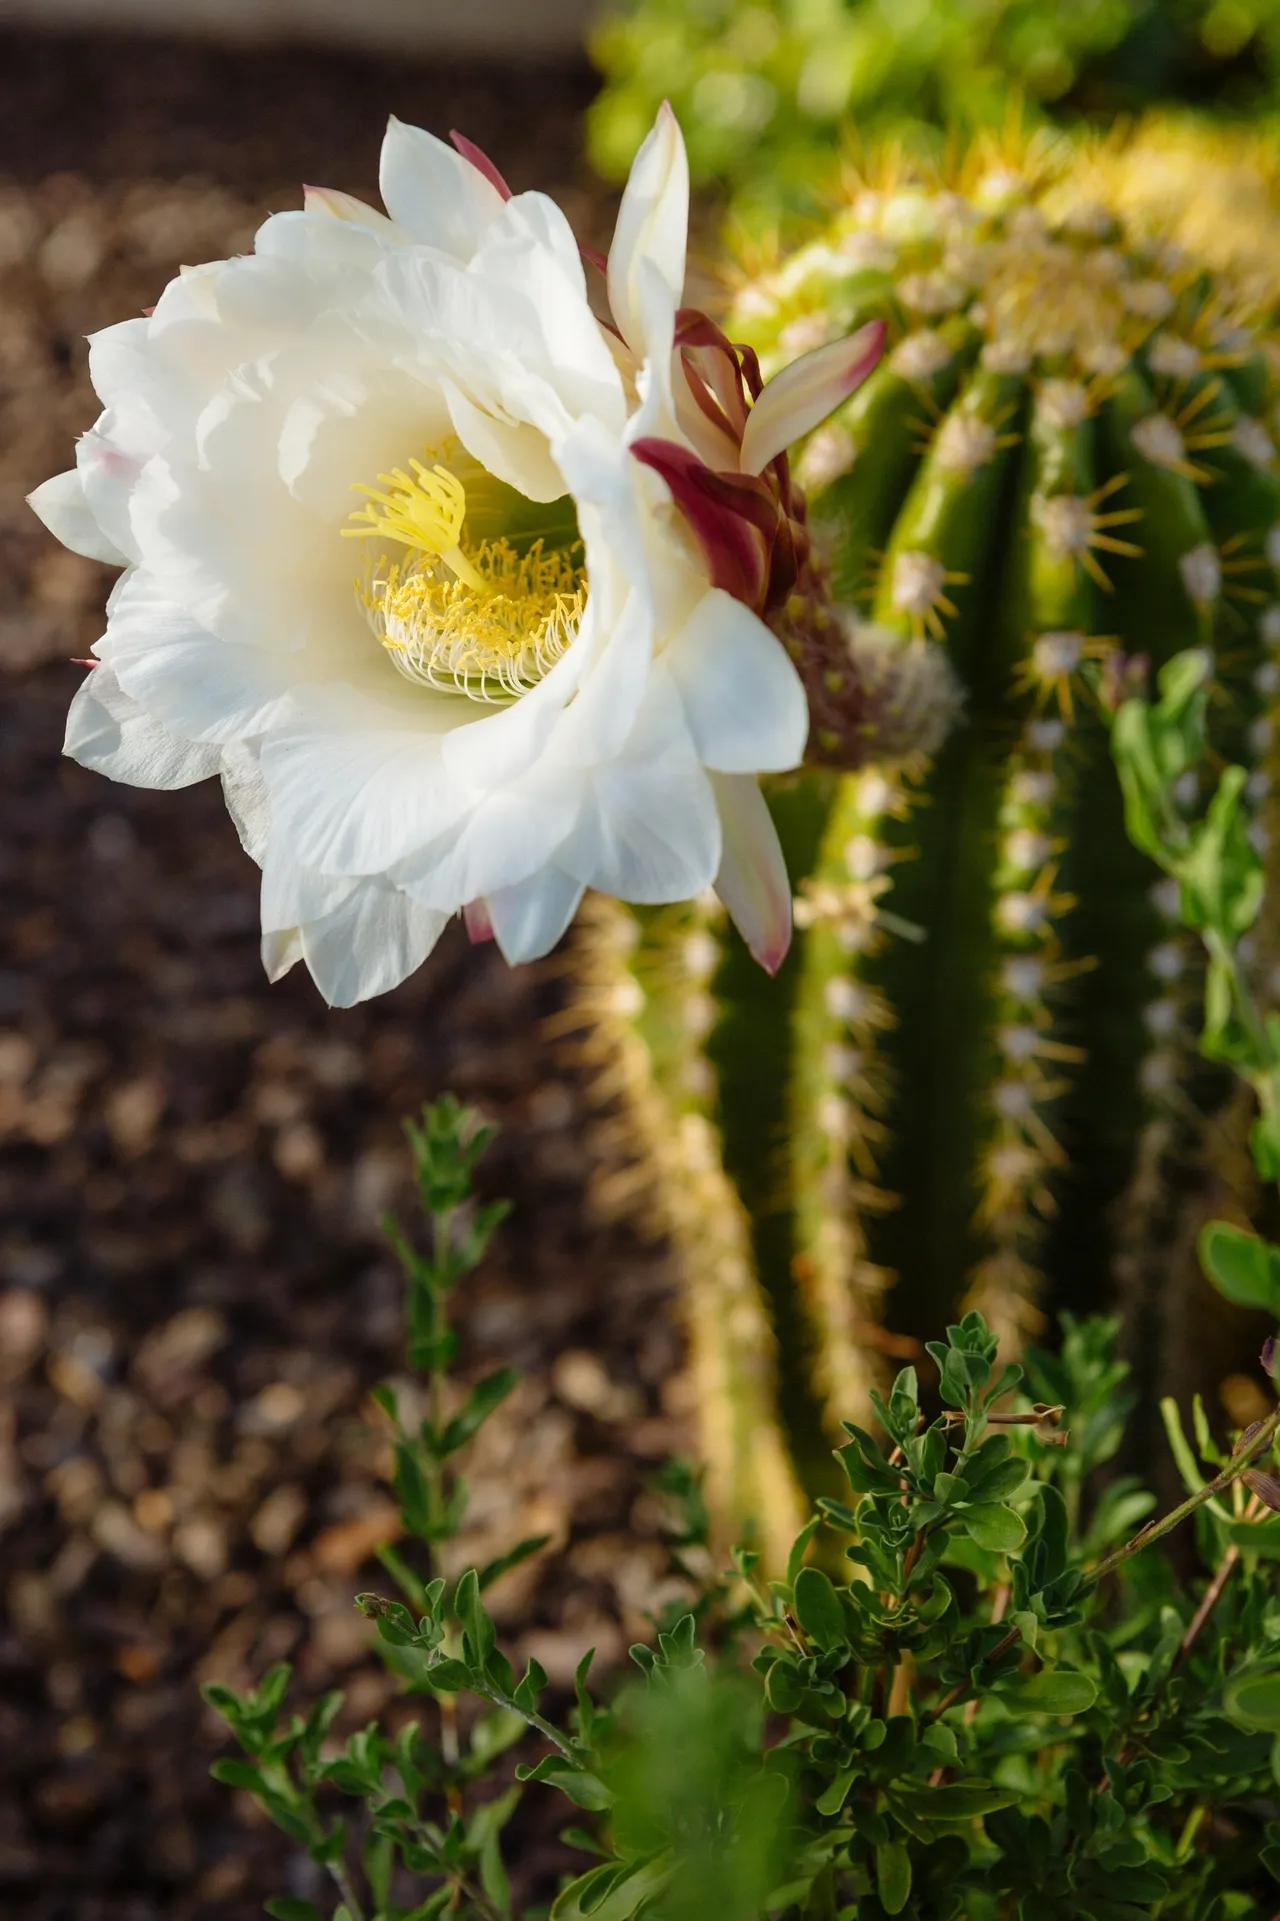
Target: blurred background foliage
[{"x": 767, "y": 92}]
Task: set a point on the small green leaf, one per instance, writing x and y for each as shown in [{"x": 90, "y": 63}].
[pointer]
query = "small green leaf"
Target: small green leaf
[
  {"x": 290, "y": 1907},
  {"x": 1255, "y": 1537},
  {"x": 1253, "y": 1701},
  {"x": 481, "y": 1402},
  {"x": 996, "y": 1528},
  {"x": 1060, "y": 1691},
  {"x": 1242, "y": 1266},
  {"x": 795, "y": 1560},
  {"x": 478, "y": 1629},
  {"x": 627, "y": 1892},
  {"x": 952, "y": 1801},
  {"x": 449, "y": 1676},
  {"x": 503, "y": 1564},
  {"x": 237, "y": 1774},
  {"x": 949, "y": 1487},
  {"x": 833, "y": 1798},
  {"x": 584, "y": 1789},
  {"x": 386, "y": 1399},
  {"x": 893, "y": 1876},
  {"x": 819, "y": 1610}
]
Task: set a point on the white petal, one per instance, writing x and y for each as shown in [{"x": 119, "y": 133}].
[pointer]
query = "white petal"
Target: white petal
[
  {"x": 333, "y": 204},
  {"x": 193, "y": 682},
  {"x": 752, "y": 881},
  {"x": 528, "y": 920},
  {"x": 294, "y": 894},
  {"x": 512, "y": 451},
  {"x": 248, "y": 802},
  {"x": 743, "y": 700},
  {"x": 806, "y": 392},
  {"x": 312, "y": 241},
  {"x": 281, "y": 950},
  {"x": 430, "y": 190},
  {"x": 61, "y": 505},
  {"x": 509, "y": 835},
  {"x": 372, "y": 942},
  {"x": 530, "y": 251},
  {"x": 113, "y": 735},
  {"x": 351, "y": 424},
  {"x": 499, "y": 746},
  {"x": 354, "y": 788},
  {"x": 648, "y": 830},
  {"x": 653, "y": 224},
  {"x": 593, "y": 729}
]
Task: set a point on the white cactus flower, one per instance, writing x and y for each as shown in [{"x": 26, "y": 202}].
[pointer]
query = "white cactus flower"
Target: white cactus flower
[{"x": 393, "y": 571}]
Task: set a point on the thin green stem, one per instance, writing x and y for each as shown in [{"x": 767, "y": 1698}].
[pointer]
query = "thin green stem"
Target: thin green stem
[
  {"x": 1155, "y": 1530},
  {"x": 436, "y": 1473},
  {"x": 438, "y": 1479},
  {"x": 349, "y": 1897},
  {"x": 455, "y": 1875},
  {"x": 534, "y": 1719}
]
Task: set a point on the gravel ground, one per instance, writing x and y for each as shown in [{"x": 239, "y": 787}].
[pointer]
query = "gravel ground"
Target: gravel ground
[{"x": 194, "y": 1297}]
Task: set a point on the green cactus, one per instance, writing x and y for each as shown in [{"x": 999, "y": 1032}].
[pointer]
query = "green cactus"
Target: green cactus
[{"x": 984, "y": 1036}]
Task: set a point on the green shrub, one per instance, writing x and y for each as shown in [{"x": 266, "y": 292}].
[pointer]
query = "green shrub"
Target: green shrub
[{"x": 976, "y": 1691}]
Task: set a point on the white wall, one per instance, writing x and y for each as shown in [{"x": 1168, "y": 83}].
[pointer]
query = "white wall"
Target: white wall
[{"x": 468, "y": 26}]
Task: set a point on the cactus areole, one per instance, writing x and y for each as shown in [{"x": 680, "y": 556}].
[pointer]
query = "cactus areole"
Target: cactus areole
[{"x": 1065, "y": 458}]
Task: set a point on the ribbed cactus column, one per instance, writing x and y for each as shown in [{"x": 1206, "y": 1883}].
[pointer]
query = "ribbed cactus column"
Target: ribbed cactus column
[
  {"x": 1065, "y": 457},
  {"x": 639, "y": 1015},
  {"x": 976, "y": 1079}
]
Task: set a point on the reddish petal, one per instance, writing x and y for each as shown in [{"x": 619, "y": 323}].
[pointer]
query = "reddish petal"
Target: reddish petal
[
  {"x": 475, "y": 917},
  {"x": 481, "y": 162},
  {"x": 734, "y": 552}
]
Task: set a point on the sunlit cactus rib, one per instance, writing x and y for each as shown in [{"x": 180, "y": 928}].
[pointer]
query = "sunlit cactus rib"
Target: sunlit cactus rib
[
  {"x": 839, "y": 1096},
  {"x": 639, "y": 1013},
  {"x": 1065, "y": 456}
]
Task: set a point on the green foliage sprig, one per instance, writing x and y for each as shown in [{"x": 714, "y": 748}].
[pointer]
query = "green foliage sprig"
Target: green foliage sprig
[{"x": 976, "y": 1691}]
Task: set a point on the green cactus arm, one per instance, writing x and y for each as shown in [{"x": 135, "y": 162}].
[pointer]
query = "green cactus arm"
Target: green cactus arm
[{"x": 639, "y": 1011}]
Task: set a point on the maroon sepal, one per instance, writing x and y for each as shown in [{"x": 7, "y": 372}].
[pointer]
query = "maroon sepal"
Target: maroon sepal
[
  {"x": 725, "y": 514},
  {"x": 480, "y": 161}
]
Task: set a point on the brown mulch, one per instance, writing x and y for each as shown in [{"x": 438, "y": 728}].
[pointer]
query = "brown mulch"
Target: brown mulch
[{"x": 194, "y": 1294}]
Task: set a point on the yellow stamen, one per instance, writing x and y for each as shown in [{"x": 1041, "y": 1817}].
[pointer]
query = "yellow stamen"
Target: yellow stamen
[
  {"x": 490, "y": 644},
  {"x": 425, "y": 510}
]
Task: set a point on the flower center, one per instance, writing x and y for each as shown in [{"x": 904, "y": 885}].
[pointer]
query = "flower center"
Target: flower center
[{"x": 481, "y": 617}]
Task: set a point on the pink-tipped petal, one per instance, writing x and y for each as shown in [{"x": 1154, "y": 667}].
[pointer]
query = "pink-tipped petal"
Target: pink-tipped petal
[
  {"x": 804, "y": 393},
  {"x": 752, "y": 881},
  {"x": 475, "y": 918},
  {"x": 480, "y": 161},
  {"x": 732, "y": 548}
]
